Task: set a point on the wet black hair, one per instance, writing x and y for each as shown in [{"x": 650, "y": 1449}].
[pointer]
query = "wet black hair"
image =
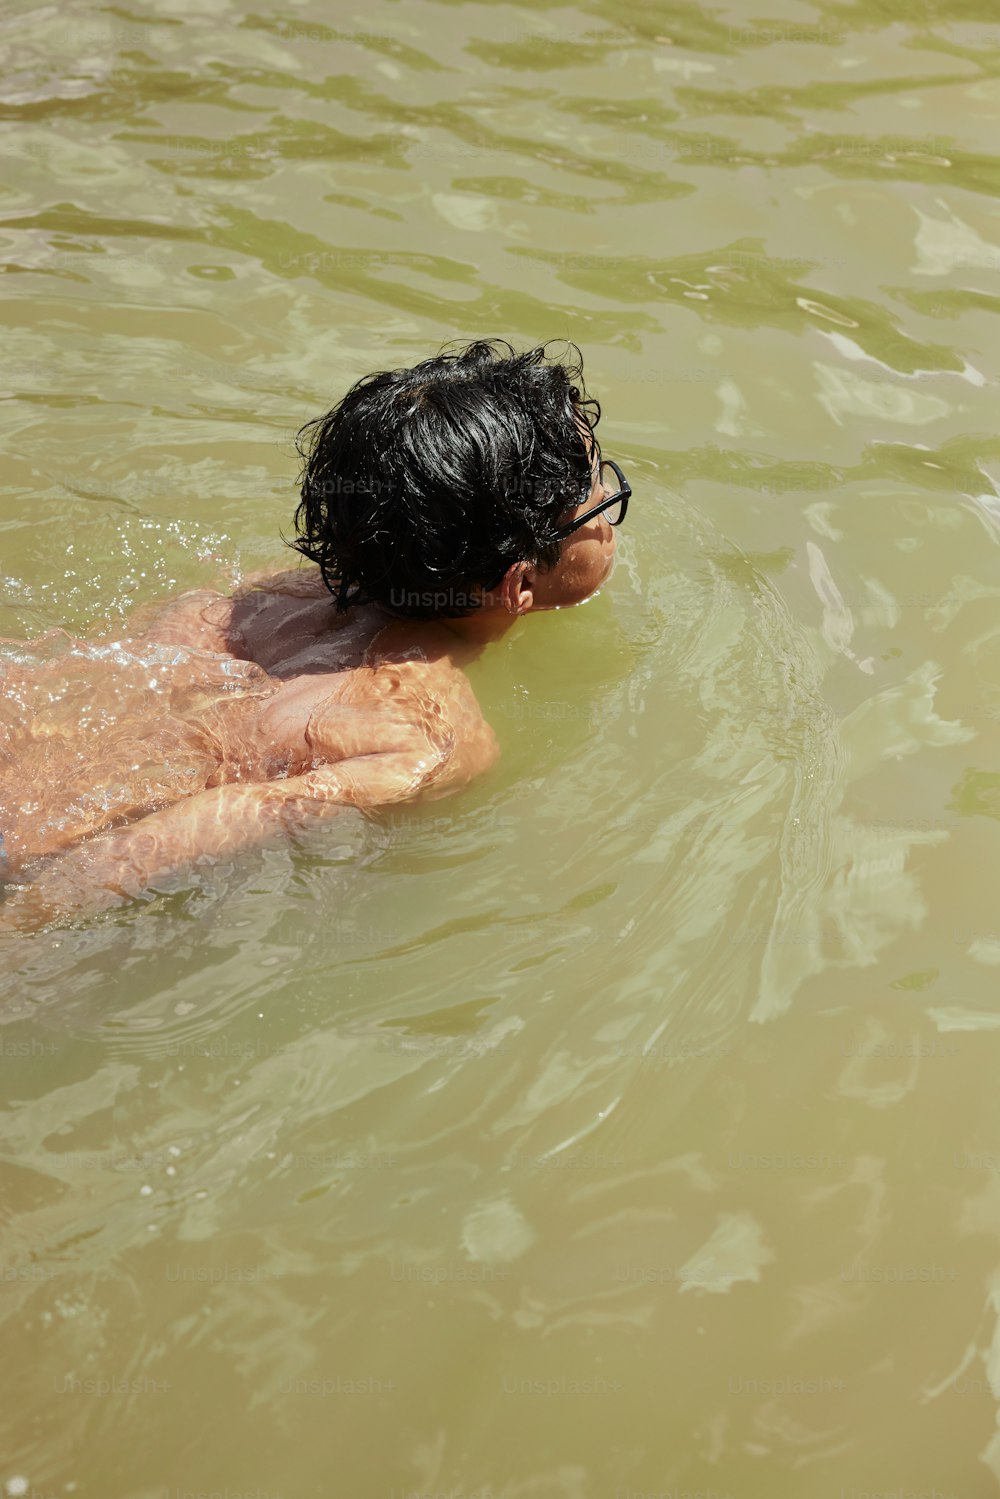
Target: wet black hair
[{"x": 425, "y": 484}]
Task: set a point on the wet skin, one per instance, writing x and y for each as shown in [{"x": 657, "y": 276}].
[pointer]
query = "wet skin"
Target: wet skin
[{"x": 347, "y": 711}]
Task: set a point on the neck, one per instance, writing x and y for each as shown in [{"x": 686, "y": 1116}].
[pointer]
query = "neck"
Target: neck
[
  {"x": 478, "y": 630},
  {"x": 466, "y": 637}
]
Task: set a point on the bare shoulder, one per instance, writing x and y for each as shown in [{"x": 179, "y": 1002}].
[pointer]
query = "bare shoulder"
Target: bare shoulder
[
  {"x": 304, "y": 582},
  {"x": 205, "y": 619},
  {"x": 199, "y": 619},
  {"x": 420, "y": 665},
  {"x": 413, "y": 697}
]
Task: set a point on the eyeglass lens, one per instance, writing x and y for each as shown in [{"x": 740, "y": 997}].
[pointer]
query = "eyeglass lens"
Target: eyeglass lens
[{"x": 610, "y": 485}]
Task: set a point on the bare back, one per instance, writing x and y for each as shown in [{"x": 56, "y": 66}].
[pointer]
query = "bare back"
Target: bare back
[{"x": 260, "y": 688}]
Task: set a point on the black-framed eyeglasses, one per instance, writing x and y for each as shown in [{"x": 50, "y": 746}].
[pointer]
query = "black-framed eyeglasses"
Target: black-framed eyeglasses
[{"x": 612, "y": 507}]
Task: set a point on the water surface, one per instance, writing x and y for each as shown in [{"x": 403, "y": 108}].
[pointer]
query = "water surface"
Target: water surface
[{"x": 630, "y": 1124}]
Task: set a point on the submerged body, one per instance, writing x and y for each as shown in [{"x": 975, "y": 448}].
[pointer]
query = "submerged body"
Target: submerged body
[
  {"x": 215, "y": 722},
  {"x": 439, "y": 504}
]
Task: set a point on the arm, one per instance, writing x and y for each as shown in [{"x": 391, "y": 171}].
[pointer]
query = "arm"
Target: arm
[
  {"x": 222, "y": 821},
  {"x": 213, "y": 825}
]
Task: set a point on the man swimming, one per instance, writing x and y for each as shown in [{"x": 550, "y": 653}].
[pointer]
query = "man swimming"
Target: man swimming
[{"x": 439, "y": 504}]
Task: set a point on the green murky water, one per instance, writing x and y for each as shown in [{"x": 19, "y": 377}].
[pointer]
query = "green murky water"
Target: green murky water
[{"x": 629, "y": 1126}]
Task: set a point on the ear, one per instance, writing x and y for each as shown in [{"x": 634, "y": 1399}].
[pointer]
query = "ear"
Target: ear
[{"x": 516, "y": 591}]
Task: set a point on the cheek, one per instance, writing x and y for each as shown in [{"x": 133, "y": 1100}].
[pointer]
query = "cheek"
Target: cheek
[{"x": 590, "y": 562}]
